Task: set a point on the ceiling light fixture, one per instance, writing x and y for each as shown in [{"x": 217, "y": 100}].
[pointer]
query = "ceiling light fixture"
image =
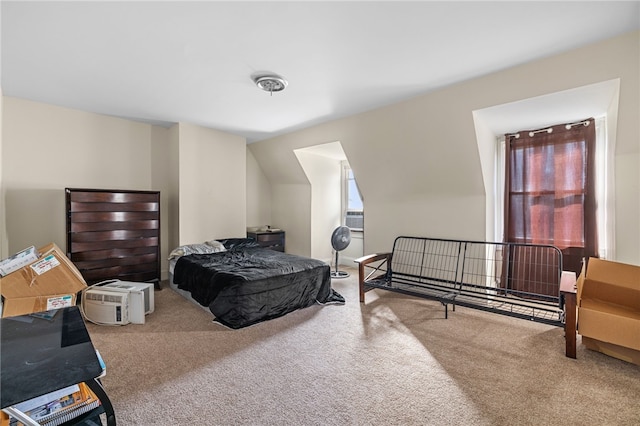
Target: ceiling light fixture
[{"x": 270, "y": 83}]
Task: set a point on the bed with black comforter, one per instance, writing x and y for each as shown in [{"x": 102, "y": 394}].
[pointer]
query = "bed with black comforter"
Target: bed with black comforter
[{"x": 247, "y": 284}]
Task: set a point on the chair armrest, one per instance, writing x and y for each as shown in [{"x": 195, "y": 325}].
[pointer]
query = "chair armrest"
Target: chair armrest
[
  {"x": 372, "y": 258},
  {"x": 568, "y": 282},
  {"x": 365, "y": 260}
]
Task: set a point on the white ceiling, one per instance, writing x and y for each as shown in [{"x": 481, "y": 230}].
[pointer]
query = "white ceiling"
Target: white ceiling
[{"x": 167, "y": 62}]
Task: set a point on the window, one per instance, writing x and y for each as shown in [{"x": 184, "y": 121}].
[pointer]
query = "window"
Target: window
[
  {"x": 550, "y": 196},
  {"x": 354, "y": 208},
  {"x": 604, "y": 190}
]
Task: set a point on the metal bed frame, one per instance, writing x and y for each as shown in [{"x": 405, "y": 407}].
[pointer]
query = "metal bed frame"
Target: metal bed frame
[{"x": 519, "y": 280}]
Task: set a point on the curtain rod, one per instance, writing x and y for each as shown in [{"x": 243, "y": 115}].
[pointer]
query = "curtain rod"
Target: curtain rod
[{"x": 550, "y": 129}]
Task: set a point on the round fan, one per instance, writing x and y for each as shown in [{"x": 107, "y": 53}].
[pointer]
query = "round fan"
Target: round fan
[{"x": 340, "y": 239}]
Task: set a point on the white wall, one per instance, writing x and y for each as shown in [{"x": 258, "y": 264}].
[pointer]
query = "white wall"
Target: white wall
[
  {"x": 418, "y": 163},
  {"x": 324, "y": 176},
  {"x": 487, "y": 152},
  {"x": 213, "y": 182}
]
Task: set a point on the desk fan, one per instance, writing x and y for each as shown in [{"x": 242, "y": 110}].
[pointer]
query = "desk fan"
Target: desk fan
[{"x": 340, "y": 239}]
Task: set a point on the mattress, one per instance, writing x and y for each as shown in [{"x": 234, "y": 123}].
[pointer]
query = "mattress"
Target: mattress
[{"x": 244, "y": 286}]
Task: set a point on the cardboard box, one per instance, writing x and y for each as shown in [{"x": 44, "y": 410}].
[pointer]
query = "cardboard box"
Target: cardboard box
[
  {"x": 609, "y": 308},
  {"x": 18, "y": 260},
  {"x": 616, "y": 351},
  {"x": 51, "y": 282}
]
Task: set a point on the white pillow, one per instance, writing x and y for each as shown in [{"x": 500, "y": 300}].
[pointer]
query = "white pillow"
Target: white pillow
[
  {"x": 202, "y": 248},
  {"x": 216, "y": 245}
]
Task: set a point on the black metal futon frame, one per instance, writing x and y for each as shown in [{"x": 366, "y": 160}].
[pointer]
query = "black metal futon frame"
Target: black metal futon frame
[{"x": 519, "y": 280}]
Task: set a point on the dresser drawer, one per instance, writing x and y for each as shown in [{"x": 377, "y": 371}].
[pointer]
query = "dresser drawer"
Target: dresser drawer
[
  {"x": 271, "y": 240},
  {"x": 114, "y": 234}
]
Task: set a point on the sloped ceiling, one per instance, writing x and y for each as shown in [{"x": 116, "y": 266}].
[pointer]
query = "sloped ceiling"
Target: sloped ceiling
[{"x": 168, "y": 62}]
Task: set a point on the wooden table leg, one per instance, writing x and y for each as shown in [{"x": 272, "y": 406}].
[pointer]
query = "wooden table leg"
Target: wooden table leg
[
  {"x": 568, "y": 291},
  {"x": 570, "y": 334}
]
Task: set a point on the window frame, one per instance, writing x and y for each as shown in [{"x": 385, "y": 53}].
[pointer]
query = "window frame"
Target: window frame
[{"x": 346, "y": 178}]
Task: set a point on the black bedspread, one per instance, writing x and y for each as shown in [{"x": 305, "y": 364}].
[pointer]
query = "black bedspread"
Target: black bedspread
[{"x": 245, "y": 286}]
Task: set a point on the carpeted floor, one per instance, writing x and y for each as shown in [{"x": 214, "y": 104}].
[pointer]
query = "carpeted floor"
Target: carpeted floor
[{"x": 392, "y": 361}]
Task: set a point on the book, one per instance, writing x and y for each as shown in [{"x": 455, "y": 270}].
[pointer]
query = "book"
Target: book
[{"x": 56, "y": 407}]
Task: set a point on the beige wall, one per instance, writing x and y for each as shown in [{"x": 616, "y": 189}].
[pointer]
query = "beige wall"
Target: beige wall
[
  {"x": 200, "y": 172},
  {"x": 212, "y": 173},
  {"x": 258, "y": 194},
  {"x": 4, "y": 243},
  {"x": 418, "y": 162},
  {"x": 161, "y": 180},
  {"x": 627, "y": 217},
  {"x": 48, "y": 148},
  {"x": 291, "y": 211},
  {"x": 173, "y": 198}
]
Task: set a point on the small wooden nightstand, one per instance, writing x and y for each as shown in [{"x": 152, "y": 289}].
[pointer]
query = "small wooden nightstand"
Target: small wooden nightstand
[{"x": 273, "y": 240}]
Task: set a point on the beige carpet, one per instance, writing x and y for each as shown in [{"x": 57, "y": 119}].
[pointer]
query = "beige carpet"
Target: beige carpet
[{"x": 393, "y": 361}]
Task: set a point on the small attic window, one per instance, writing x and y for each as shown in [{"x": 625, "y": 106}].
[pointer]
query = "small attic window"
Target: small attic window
[{"x": 354, "y": 213}]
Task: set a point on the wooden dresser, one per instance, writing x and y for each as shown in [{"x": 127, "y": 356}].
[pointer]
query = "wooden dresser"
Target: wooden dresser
[
  {"x": 273, "y": 240},
  {"x": 114, "y": 234}
]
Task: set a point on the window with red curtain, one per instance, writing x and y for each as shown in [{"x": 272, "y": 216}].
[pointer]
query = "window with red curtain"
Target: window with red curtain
[{"x": 550, "y": 190}]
